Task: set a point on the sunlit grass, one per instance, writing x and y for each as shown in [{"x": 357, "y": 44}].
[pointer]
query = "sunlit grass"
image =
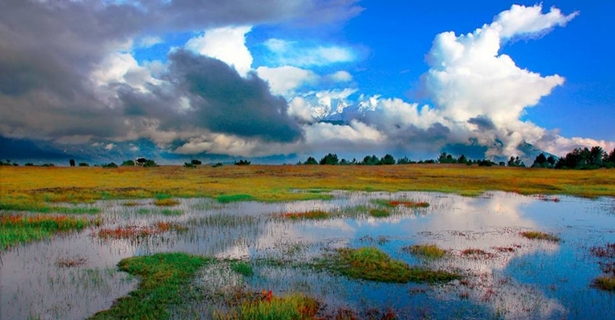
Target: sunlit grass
[
  {"x": 431, "y": 251},
  {"x": 371, "y": 263},
  {"x": 136, "y": 232},
  {"x": 538, "y": 235},
  {"x": 405, "y": 203},
  {"x": 34, "y": 188},
  {"x": 16, "y": 229}
]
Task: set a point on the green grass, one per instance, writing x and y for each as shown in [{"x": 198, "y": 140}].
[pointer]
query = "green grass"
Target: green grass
[
  {"x": 163, "y": 279},
  {"x": 21, "y": 229},
  {"x": 268, "y": 307},
  {"x": 431, "y": 251},
  {"x": 538, "y": 235},
  {"x": 228, "y": 198},
  {"x": 243, "y": 268},
  {"x": 371, "y": 263},
  {"x": 604, "y": 283},
  {"x": 379, "y": 213},
  {"x": 41, "y": 207}
]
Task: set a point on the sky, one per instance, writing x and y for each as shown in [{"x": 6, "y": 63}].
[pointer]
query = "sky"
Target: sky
[{"x": 299, "y": 77}]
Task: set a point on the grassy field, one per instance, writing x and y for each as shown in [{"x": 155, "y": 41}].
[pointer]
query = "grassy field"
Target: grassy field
[{"x": 37, "y": 188}]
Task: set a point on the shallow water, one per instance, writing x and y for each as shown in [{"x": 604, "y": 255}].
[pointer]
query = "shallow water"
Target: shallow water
[{"x": 516, "y": 278}]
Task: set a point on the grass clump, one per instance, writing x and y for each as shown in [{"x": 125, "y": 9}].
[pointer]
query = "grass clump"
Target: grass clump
[
  {"x": 163, "y": 278},
  {"x": 397, "y": 203},
  {"x": 136, "y": 233},
  {"x": 605, "y": 283},
  {"x": 431, "y": 251},
  {"x": 608, "y": 251},
  {"x": 266, "y": 306},
  {"x": 168, "y": 202},
  {"x": 15, "y": 229},
  {"x": 371, "y": 263},
  {"x": 228, "y": 198},
  {"x": 243, "y": 268},
  {"x": 538, "y": 235},
  {"x": 379, "y": 213},
  {"x": 310, "y": 215}
]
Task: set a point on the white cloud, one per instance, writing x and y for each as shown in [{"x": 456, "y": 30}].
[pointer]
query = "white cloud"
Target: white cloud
[
  {"x": 284, "y": 80},
  {"x": 150, "y": 41},
  {"x": 521, "y": 20},
  {"x": 341, "y": 76},
  {"x": 109, "y": 146},
  {"x": 227, "y": 44},
  {"x": 300, "y": 55}
]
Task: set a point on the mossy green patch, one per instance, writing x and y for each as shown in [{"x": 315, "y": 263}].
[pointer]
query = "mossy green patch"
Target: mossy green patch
[
  {"x": 371, "y": 263},
  {"x": 228, "y": 198},
  {"x": 163, "y": 279},
  {"x": 430, "y": 251}
]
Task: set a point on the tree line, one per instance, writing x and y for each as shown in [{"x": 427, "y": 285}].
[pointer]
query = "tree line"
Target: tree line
[{"x": 579, "y": 158}]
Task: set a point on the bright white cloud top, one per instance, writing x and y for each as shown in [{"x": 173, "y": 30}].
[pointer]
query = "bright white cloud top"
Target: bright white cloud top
[{"x": 230, "y": 90}]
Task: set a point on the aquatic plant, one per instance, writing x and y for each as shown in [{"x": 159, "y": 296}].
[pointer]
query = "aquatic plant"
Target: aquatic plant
[
  {"x": 608, "y": 251},
  {"x": 370, "y": 263},
  {"x": 379, "y": 213},
  {"x": 163, "y": 277},
  {"x": 168, "y": 202},
  {"x": 243, "y": 268},
  {"x": 538, "y": 235},
  {"x": 138, "y": 232},
  {"x": 269, "y": 307},
  {"x": 228, "y": 198},
  {"x": 70, "y": 262},
  {"x": 426, "y": 250},
  {"x": 605, "y": 283},
  {"x": 16, "y": 229},
  {"x": 396, "y": 203},
  {"x": 311, "y": 215}
]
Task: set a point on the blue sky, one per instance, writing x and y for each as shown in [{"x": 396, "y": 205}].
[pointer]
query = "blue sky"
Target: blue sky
[{"x": 261, "y": 79}]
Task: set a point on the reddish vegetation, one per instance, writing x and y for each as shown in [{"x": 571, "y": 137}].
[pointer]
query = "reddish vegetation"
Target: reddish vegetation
[
  {"x": 475, "y": 253},
  {"x": 70, "y": 262},
  {"x": 410, "y": 204},
  {"x": 59, "y": 222},
  {"x": 135, "y": 232},
  {"x": 545, "y": 198},
  {"x": 314, "y": 214},
  {"x": 504, "y": 249},
  {"x": 608, "y": 251}
]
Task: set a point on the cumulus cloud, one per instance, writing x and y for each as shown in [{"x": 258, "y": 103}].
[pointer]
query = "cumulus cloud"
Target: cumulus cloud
[
  {"x": 53, "y": 53},
  {"x": 226, "y": 44},
  {"x": 286, "y": 79}
]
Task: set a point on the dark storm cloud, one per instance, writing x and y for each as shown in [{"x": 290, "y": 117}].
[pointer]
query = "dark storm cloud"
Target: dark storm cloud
[
  {"x": 48, "y": 50},
  {"x": 482, "y": 122}
]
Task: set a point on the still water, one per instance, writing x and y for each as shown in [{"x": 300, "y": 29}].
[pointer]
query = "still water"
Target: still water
[{"x": 513, "y": 277}]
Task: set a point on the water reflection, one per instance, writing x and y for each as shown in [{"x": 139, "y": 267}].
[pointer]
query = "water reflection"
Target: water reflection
[{"x": 513, "y": 277}]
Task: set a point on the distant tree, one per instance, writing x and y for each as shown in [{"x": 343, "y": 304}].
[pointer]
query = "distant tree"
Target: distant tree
[
  {"x": 540, "y": 161},
  {"x": 595, "y": 156},
  {"x": 310, "y": 161},
  {"x": 344, "y": 162},
  {"x": 387, "y": 160},
  {"x": 83, "y": 164},
  {"x": 189, "y": 165},
  {"x": 48, "y": 165},
  {"x": 196, "y": 162},
  {"x": 515, "y": 162},
  {"x": 29, "y": 164},
  {"x": 610, "y": 157},
  {"x": 371, "y": 160},
  {"x": 329, "y": 159},
  {"x": 462, "y": 159},
  {"x": 110, "y": 165},
  {"x": 242, "y": 163},
  {"x": 404, "y": 160},
  {"x": 15, "y": 164},
  {"x": 128, "y": 163},
  {"x": 502, "y": 164},
  {"x": 446, "y": 158},
  {"x": 150, "y": 163},
  {"x": 71, "y": 162},
  {"x": 485, "y": 163}
]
